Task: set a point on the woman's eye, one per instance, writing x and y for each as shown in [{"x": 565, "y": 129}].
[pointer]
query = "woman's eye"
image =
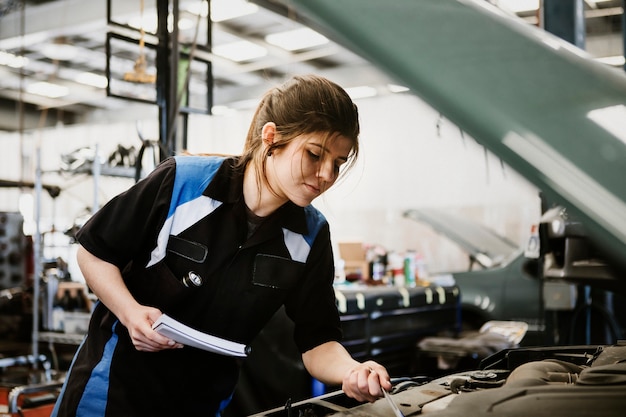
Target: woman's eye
[{"x": 313, "y": 156}]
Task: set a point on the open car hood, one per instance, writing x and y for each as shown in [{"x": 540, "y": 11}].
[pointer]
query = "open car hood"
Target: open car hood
[
  {"x": 483, "y": 244},
  {"x": 532, "y": 99}
]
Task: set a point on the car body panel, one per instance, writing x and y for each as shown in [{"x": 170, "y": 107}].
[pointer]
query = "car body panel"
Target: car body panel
[
  {"x": 500, "y": 283},
  {"x": 507, "y": 292},
  {"x": 482, "y": 244}
]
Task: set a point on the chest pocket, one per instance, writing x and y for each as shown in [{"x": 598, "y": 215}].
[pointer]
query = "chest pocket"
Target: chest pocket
[
  {"x": 276, "y": 272},
  {"x": 169, "y": 283},
  {"x": 192, "y": 251}
]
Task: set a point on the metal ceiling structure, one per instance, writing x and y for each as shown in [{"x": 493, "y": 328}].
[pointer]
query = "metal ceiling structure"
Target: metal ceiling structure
[{"x": 58, "y": 41}]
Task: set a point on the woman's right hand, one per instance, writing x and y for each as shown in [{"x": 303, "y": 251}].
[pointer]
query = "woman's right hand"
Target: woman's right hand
[
  {"x": 106, "y": 282},
  {"x": 139, "y": 324}
]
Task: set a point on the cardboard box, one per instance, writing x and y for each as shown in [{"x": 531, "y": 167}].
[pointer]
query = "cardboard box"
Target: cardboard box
[{"x": 354, "y": 256}]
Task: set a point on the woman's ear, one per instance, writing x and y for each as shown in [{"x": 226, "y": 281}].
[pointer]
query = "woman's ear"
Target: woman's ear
[{"x": 268, "y": 133}]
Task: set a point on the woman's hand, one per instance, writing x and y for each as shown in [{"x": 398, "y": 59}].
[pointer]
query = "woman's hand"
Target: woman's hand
[
  {"x": 331, "y": 363},
  {"x": 366, "y": 381},
  {"x": 139, "y": 324},
  {"x": 105, "y": 280}
]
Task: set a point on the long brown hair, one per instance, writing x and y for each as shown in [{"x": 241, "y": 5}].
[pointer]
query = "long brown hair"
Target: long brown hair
[{"x": 303, "y": 104}]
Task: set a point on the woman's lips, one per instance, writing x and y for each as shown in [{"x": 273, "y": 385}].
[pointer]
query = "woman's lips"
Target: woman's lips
[{"x": 312, "y": 188}]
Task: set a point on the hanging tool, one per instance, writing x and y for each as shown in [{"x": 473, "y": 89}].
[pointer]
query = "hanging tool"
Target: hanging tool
[{"x": 139, "y": 73}]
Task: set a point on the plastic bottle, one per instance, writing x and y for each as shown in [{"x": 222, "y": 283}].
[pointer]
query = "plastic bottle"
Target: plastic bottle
[
  {"x": 421, "y": 269},
  {"x": 396, "y": 269},
  {"x": 409, "y": 268}
]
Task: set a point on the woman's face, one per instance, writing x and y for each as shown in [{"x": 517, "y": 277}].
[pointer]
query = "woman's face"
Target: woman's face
[{"x": 306, "y": 166}]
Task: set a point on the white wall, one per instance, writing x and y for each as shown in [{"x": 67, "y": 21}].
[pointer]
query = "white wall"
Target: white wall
[{"x": 406, "y": 162}]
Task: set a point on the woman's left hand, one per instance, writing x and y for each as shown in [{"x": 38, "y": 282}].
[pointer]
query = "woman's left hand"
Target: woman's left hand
[{"x": 366, "y": 381}]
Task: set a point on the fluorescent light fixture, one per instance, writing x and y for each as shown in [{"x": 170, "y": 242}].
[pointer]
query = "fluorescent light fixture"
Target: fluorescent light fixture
[
  {"x": 229, "y": 9},
  {"x": 240, "y": 51},
  {"x": 222, "y": 10},
  {"x": 60, "y": 51},
  {"x": 92, "y": 79},
  {"x": 293, "y": 40},
  {"x": 616, "y": 61},
  {"x": 46, "y": 89},
  {"x": 185, "y": 23},
  {"x": 361, "y": 92},
  {"x": 12, "y": 61},
  {"x": 149, "y": 23},
  {"x": 518, "y": 6},
  {"x": 394, "y": 88}
]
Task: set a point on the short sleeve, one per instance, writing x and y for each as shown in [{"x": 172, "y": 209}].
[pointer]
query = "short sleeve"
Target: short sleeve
[{"x": 126, "y": 227}]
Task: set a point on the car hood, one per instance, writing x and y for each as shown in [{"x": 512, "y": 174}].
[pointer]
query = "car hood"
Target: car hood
[
  {"x": 537, "y": 102},
  {"x": 483, "y": 244}
]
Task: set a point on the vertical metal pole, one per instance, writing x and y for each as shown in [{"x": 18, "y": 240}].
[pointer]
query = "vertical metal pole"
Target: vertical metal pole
[
  {"x": 163, "y": 88},
  {"x": 37, "y": 255},
  {"x": 209, "y": 45},
  {"x": 95, "y": 171},
  {"x": 624, "y": 31},
  {"x": 174, "y": 69},
  {"x": 565, "y": 19}
]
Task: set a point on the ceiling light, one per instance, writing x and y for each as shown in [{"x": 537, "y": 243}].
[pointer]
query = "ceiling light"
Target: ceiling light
[
  {"x": 294, "y": 40},
  {"x": 229, "y": 9},
  {"x": 223, "y": 9},
  {"x": 47, "y": 89},
  {"x": 94, "y": 80},
  {"x": 184, "y": 24},
  {"x": 12, "y": 61},
  {"x": 518, "y": 6},
  {"x": 240, "y": 51},
  {"x": 59, "y": 51},
  {"x": 147, "y": 23},
  {"x": 361, "y": 92}
]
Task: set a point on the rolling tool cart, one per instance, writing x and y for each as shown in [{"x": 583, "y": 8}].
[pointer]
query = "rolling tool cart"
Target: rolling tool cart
[{"x": 386, "y": 323}]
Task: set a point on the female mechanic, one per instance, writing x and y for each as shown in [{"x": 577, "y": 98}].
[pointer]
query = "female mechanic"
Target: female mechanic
[{"x": 244, "y": 229}]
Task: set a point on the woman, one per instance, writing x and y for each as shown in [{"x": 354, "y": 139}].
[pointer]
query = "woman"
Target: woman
[{"x": 220, "y": 244}]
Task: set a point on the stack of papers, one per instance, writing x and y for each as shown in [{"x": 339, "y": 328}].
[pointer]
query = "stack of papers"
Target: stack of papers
[{"x": 181, "y": 333}]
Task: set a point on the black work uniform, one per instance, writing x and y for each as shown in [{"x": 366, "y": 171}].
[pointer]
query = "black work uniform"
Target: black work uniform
[{"x": 187, "y": 216}]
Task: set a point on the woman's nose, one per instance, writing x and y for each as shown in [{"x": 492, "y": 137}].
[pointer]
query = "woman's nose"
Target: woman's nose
[{"x": 326, "y": 171}]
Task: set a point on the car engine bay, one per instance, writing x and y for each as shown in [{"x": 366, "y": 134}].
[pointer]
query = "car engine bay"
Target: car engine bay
[{"x": 550, "y": 381}]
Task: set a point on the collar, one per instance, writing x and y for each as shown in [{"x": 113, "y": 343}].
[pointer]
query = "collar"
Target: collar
[{"x": 227, "y": 187}]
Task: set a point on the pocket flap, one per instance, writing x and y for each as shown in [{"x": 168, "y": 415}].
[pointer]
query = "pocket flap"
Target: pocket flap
[
  {"x": 276, "y": 272},
  {"x": 188, "y": 249}
]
